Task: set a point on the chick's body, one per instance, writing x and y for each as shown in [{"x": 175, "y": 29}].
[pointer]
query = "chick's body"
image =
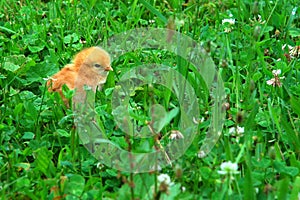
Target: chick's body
[{"x": 90, "y": 67}]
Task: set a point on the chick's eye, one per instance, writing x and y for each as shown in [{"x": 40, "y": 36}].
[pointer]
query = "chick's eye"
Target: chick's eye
[{"x": 97, "y": 65}]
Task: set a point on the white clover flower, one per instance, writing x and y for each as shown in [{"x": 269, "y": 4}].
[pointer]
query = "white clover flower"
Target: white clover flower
[
  {"x": 179, "y": 22},
  {"x": 227, "y": 30},
  {"x": 276, "y": 72},
  {"x": 175, "y": 134},
  {"x": 228, "y": 168},
  {"x": 294, "y": 11},
  {"x": 198, "y": 121},
  {"x": 164, "y": 178},
  {"x": 232, "y": 130},
  {"x": 294, "y": 51},
  {"x": 183, "y": 189},
  {"x": 156, "y": 168},
  {"x": 272, "y": 81},
  {"x": 276, "y": 81},
  {"x": 230, "y": 21},
  {"x": 99, "y": 165},
  {"x": 289, "y": 47},
  {"x": 201, "y": 154},
  {"x": 238, "y": 130},
  {"x": 257, "y": 19}
]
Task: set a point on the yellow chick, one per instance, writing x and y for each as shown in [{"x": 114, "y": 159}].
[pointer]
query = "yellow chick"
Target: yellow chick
[
  {"x": 90, "y": 67},
  {"x": 92, "y": 73}
]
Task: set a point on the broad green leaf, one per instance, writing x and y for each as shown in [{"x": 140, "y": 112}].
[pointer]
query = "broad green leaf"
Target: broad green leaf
[
  {"x": 15, "y": 62},
  {"x": 10, "y": 66},
  {"x": 256, "y": 76},
  {"x": 268, "y": 29},
  {"x": 63, "y": 133},
  {"x": 28, "y": 136},
  {"x": 294, "y": 32},
  {"x": 40, "y": 71},
  {"x": 174, "y": 191},
  {"x": 43, "y": 161},
  {"x": 71, "y": 38},
  {"x": 282, "y": 168},
  {"x": 22, "y": 183},
  {"x": 205, "y": 172},
  {"x": 35, "y": 49},
  {"x": 160, "y": 117},
  {"x": 296, "y": 189},
  {"x": 30, "y": 109},
  {"x": 263, "y": 163},
  {"x": 112, "y": 172},
  {"x": 18, "y": 109},
  {"x": 283, "y": 189},
  {"x": 295, "y": 103},
  {"x": 292, "y": 135},
  {"x": 74, "y": 186},
  {"x": 248, "y": 185}
]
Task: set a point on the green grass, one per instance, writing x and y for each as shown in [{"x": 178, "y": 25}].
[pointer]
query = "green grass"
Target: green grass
[{"x": 41, "y": 156}]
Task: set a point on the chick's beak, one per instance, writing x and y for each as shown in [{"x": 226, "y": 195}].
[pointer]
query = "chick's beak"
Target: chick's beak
[{"x": 109, "y": 68}]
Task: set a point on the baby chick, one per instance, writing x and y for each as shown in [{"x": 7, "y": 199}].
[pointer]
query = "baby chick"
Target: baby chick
[
  {"x": 90, "y": 67},
  {"x": 92, "y": 73}
]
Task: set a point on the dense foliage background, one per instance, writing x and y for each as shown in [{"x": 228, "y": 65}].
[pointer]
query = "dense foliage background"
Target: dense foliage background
[{"x": 41, "y": 156}]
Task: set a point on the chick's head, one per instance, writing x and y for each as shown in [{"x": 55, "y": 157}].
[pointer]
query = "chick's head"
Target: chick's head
[
  {"x": 94, "y": 69},
  {"x": 99, "y": 61}
]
